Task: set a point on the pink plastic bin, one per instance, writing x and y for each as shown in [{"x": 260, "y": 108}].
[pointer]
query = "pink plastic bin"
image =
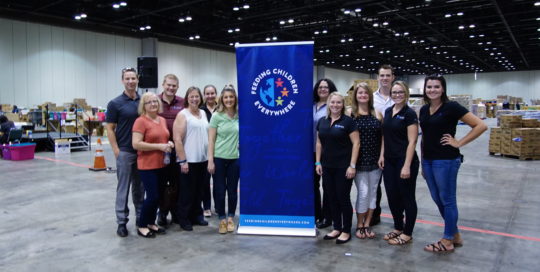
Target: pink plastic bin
[{"x": 23, "y": 151}]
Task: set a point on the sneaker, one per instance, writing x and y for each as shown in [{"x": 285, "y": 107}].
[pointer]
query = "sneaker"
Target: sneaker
[
  {"x": 230, "y": 225},
  {"x": 122, "y": 230},
  {"x": 223, "y": 227},
  {"x": 207, "y": 213}
]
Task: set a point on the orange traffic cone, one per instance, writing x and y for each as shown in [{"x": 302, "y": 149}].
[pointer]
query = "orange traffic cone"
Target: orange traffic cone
[{"x": 99, "y": 159}]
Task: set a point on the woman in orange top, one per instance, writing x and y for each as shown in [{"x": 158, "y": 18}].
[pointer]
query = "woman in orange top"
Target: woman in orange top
[{"x": 151, "y": 140}]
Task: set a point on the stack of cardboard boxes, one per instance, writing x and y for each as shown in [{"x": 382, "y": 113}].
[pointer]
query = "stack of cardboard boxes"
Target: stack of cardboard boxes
[{"x": 516, "y": 137}]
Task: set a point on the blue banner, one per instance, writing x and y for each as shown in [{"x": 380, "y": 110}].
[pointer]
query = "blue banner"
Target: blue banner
[{"x": 276, "y": 146}]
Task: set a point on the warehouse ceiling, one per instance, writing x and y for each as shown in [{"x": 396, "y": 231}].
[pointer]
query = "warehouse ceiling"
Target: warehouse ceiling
[{"x": 416, "y": 36}]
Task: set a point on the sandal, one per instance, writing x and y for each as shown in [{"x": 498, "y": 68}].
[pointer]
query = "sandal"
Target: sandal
[
  {"x": 369, "y": 233},
  {"x": 362, "y": 232},
  {"x": 391, "y": 235},
  {"x": 438, "y": 247},
  {"x": 398, "y": 241}
]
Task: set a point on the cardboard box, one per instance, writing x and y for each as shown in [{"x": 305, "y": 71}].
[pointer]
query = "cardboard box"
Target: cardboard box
[{"x": 530, "y": 123}]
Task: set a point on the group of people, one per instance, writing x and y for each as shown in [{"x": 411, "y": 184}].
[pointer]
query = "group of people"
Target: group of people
[
  {"x": 376, "y": 140},
  {"x": 166, "y": 149}
]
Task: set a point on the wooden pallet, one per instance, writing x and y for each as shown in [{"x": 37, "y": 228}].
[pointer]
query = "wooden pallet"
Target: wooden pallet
[{"x": 521, "y": 157}]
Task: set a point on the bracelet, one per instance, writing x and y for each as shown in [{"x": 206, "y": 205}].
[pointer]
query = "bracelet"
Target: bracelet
[
  {"x": 182, "y": 161},
  {"x": 318, "y": 163}
]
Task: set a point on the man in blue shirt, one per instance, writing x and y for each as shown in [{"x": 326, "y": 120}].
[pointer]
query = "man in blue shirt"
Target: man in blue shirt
[{"x": 121, "y": 114}]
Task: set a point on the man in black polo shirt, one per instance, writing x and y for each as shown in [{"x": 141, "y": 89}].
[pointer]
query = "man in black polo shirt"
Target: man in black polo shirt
[{"x": 121, "y": 114}]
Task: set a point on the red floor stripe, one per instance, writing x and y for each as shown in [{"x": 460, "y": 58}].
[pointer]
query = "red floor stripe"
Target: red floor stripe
[
  {"x": 62, "y": 161},
  {"x": 472, "y": 229},
  {"x": 383, "y": 214}
]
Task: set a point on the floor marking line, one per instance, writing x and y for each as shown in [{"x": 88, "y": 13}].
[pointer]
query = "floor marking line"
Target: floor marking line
[
  {"x": 63, "y": 161},
  {"x": 382, "y": 214},
  {"x": 473, "y": 229}
]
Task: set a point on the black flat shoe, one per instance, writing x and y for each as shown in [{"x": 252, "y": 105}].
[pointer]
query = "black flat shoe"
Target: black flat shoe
[
  {"x": 340, "y": 242},
  {"x": 324, "y": 224},
  {"x": 149, "y": 234},
  {"x": 186, "y": 227},
  {"x": 159, "y": 231},
  {"x": 122, "y": 230},
  {"x": 201, "y": 223},
  {"x": 162, "y": 221},
  {"x": 328, "y": 237}
]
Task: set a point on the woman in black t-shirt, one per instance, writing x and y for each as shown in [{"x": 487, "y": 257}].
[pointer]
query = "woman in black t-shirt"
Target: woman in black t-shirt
[
  {"x": 400, "y": 163},
  {"x": 336, "y": 153},
  {"x": 440, "y": 154}
]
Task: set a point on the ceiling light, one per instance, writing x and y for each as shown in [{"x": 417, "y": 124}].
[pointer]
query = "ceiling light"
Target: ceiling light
[
  {"x": 385, "y": 23},
  {"x": 414, "y": 41},
  {"x": 472, "y": 26},
  {"x": 327, "y": 50},
  {"x": 83, "y": 15},
  {"x": 471, "y": 36},
  {"x": 188, "y": 18},
  {"x": 357, "y": 10},
  {"x": 536, "y": 4},
  {"x": 123, "y": 4},
  {"x": 181, "y": 20},
  {"x": 316, "y": 32},
  {"x": 290, "y": 21},
  {"x": 459, "y": 14},
  {"x": 230, "y": 31},
  {"x": 148, "y": 27},
  {"x": 116, "y": 6},
  {"x": 142, "y": 28},
  {"x": 364, "y": 46},
  {"x": 347, "y": 11},
  {"x": 236, "y": 8},
  {"x": 375, "y": 24},
  {"x": 480, "y": 43},
  {"x": 237, "y": 29},
  {"x": 191, "y": 38},
  {"x": 448, "y": 15},
  {"x": 246, "y": 6},
  {"x": 197, "y": 37},
  {"x": 397, "y": 34},
  {"x": 371, "y": 46},
  {"x": 481, "y": 35},
  {"x": 324, "y": 31},
  {"x": 405, "y": 33},
  {"x": 461, "y": 27},
  {"x": 342, "y": 40},
  {"x": 387, "y": 51},
  {"x": 488, "y": 42},
  {"x": 274, "y": 38},
  {"x": 231, "y": 44},
  {"x": 77, "y": 17},
  {"x": 281, "y": 22},
  {"x": 351, "y": 39}
]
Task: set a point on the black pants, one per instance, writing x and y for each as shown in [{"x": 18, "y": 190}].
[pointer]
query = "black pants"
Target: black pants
[
  {"x": 401, "y": 193},
  {"x": 207, "y": 195},
  {"x": 339, "y": 193},
  {"x": 323, "y": 211},
  {"x": 168, "y": 189},
  {"x": 377, "y": 211},
  {"x": 190, "y": 193}
]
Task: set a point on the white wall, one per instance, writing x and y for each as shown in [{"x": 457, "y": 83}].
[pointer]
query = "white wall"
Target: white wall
[
  {"x": 524, "y": 84},
  {"x": 47, "y": 63},
  {"x": 343, "y": 79},
  {"x": 196, "y": 66}
]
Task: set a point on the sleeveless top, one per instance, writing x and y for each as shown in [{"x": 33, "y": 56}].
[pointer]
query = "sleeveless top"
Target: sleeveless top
[
  {"x": 196, "y": 138},
  {"x": 370, "y": 142}
]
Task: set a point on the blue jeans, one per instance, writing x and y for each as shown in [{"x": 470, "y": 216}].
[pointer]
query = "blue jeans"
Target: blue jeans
[
  {"x": 441, "y": 178},
  {"x": 226, "y": 179},
  {"x": 151, "y": 180}
]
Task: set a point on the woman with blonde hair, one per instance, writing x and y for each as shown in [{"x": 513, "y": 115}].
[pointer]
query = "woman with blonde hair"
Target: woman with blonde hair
[
  {"x": 223, "y": 155},
  {"x": 368, "y": 174},
  {"x": 151, "y": 140},
  {"x": 336, "y": 153},
  {"x": 400, "y": 164}
]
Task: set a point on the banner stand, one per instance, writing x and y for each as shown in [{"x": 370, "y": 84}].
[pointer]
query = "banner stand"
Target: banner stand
[{"x": 275, "y": 106}]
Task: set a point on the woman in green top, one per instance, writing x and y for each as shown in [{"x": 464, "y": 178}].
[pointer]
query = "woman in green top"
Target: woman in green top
[{"x": 223, "y": 157}]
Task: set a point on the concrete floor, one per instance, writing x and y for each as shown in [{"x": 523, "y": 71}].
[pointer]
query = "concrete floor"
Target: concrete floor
[{"x": 58, "y": 216}]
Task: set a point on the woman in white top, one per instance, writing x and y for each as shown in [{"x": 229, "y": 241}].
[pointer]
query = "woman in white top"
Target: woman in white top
[{"x": 190, "y": 132}]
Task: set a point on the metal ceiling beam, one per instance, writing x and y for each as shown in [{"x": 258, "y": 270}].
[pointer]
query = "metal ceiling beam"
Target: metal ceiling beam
[
  {"x": 440, "y": 34},
  {"x": 510, "y": 32}
]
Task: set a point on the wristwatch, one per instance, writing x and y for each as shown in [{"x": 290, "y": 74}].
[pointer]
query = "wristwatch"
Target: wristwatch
[{"x": 352, "y": 166}]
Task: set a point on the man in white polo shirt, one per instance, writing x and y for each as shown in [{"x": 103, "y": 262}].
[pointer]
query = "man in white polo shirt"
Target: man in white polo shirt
[{"x": 382, "y": 101}]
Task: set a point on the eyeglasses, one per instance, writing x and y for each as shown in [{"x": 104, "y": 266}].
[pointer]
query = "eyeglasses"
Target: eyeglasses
[
  {"x": 151, "y": 102},
  {"x": 129, "y": 69},
  {"x": 398, "y": 93}
]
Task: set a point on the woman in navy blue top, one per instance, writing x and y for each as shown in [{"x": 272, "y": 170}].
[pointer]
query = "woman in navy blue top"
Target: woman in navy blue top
[
  {"x": 441, "y": 158},
  {"x": 400, "y": 163},
  {"x": 336, "y": 153}
]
